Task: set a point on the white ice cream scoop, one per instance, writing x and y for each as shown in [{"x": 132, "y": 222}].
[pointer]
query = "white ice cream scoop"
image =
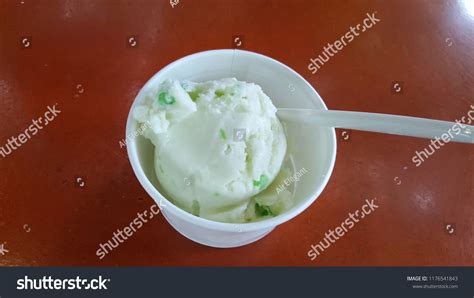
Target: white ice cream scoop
[{"x": 217, "y": 145}]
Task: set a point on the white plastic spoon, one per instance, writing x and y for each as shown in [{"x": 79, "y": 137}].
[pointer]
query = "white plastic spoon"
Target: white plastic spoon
[{"x": 383, "y": 123}]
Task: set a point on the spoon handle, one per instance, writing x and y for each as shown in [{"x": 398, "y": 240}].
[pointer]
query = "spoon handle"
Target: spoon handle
[{"x": 383, "y": 123}]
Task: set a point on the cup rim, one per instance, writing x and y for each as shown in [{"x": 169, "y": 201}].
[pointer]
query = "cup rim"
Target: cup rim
[{"x": 203, "y": 222}]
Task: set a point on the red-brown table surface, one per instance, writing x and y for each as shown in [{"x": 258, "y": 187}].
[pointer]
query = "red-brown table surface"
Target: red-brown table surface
[{"x": 47, "y": 219}]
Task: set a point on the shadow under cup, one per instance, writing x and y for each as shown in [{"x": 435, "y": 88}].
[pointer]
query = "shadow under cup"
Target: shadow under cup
[{"x": 310, "y": 147}]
